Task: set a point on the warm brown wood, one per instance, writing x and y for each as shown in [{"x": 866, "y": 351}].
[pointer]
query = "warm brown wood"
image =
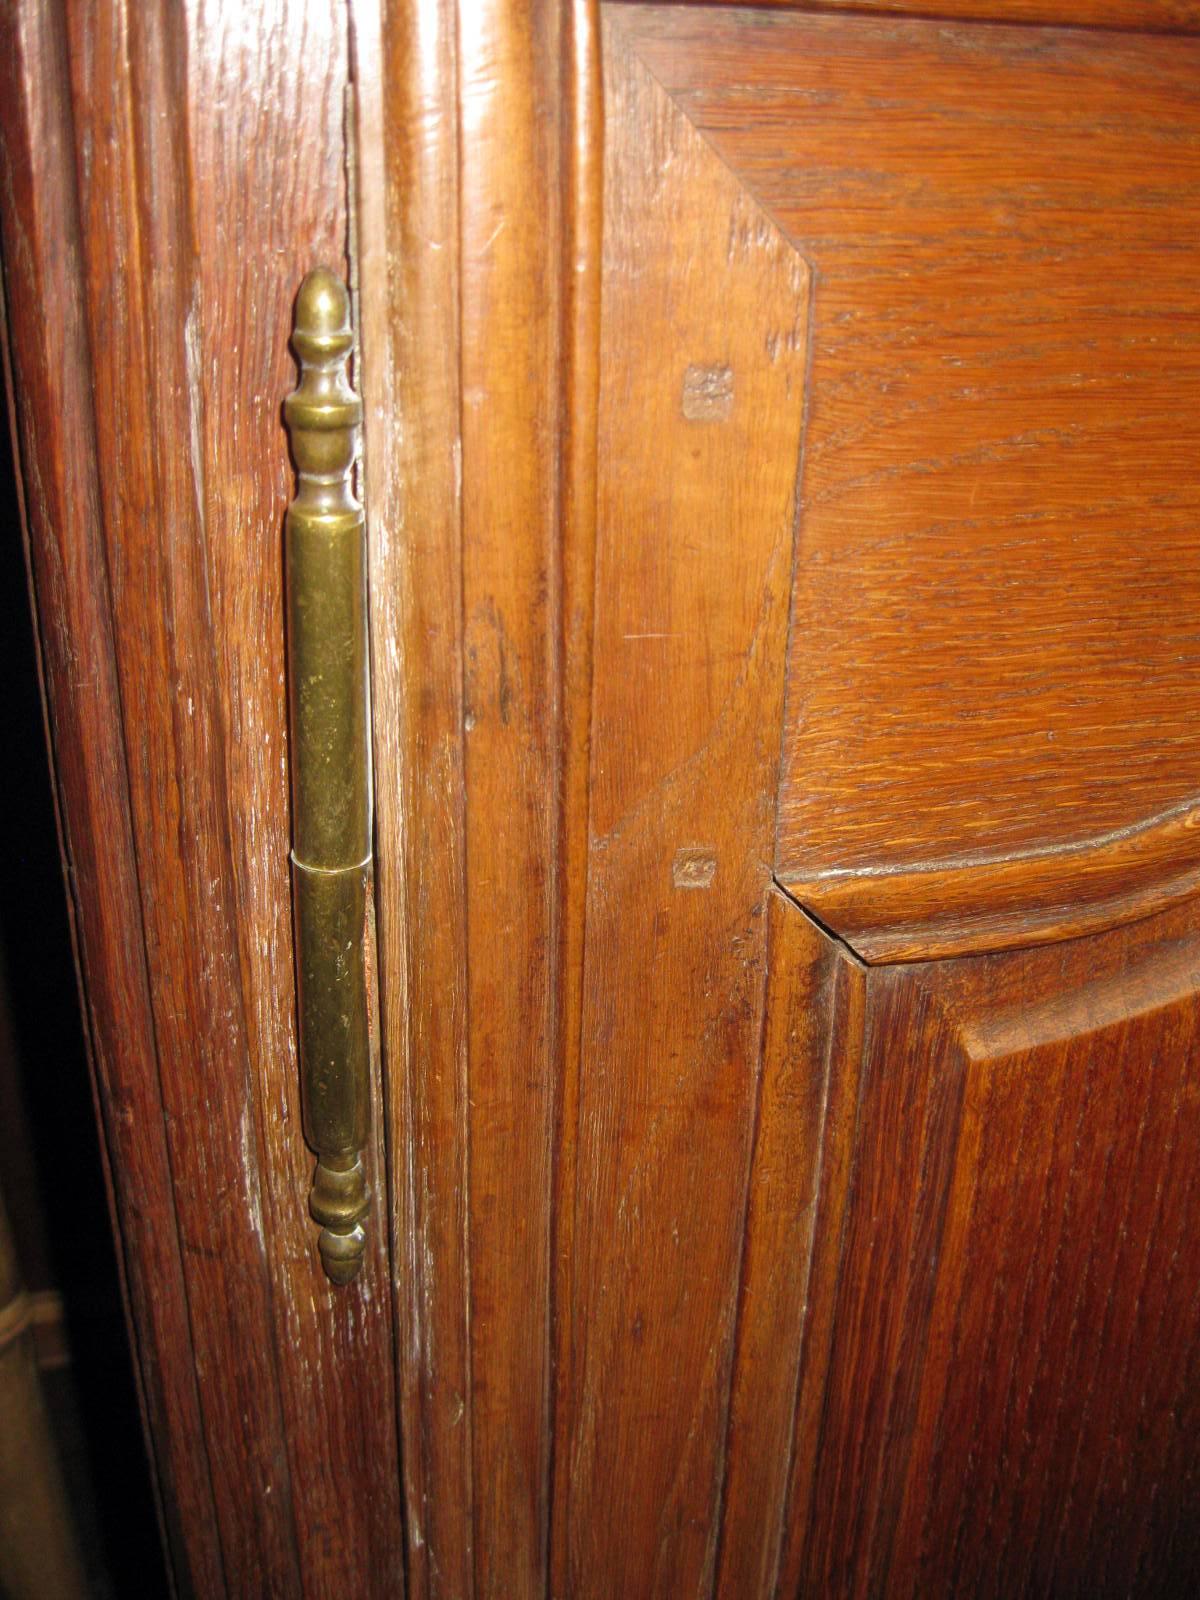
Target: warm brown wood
[
  {"x": 812, "y": 1028},
  {"x": 168, "y": 694},
  {"x": 992, "y": 674},
  {"x": 56, "y": 448},
  {"x": 405, "y": 61},
  {"x": 1007, "y": 1394},
  {"x": 196, "y": 224},
  {"x": 583, "y": 203},
  {"x": 762, "y": 457},
  {"x": 1165, "y": 15},
  {"x": 509, "y": 80},
  {"x": 702, "y": 329},
  {"x": 267, "y": 157},
  {"x": 481, "y": 607}
]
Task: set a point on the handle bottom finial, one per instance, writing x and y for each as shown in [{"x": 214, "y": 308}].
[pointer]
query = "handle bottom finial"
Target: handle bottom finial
[{"x": 339, "y": 1201}]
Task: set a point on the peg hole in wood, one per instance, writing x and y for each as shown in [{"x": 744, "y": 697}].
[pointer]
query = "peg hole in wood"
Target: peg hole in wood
[
  {"x": 694, "y": 867},
  {"x": 707, "y": 393}
]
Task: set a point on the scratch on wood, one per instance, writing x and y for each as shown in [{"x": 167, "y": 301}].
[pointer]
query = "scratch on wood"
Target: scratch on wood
[{"x": 191, "y": 345}]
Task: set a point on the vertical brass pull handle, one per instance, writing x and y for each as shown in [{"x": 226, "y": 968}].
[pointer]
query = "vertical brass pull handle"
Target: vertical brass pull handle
[{"x": 331, "y": 828}]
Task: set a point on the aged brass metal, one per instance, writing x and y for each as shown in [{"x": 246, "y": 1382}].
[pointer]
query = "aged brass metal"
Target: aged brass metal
[{"x": 331, "y": 824}]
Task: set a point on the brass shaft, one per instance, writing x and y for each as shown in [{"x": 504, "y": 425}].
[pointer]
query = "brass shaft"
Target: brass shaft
[{"x": 331, "y": 828}]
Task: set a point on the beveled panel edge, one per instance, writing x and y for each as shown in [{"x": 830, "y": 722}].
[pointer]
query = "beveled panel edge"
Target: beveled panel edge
[
  {"x": 1156, "y": 974},
  {"x": 1141, "y": 16},
  {"x": 922, "y": 912},
  {"x": 658, "y": 828}
]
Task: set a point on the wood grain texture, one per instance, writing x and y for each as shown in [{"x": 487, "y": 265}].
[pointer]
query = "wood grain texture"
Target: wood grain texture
[
  {"x": 169, "y": 689},
  {"x": 197, "y": 223},
  {"x": 582, "y": 156},
  {"x": 811, "y": 1037},
  {"x": 56, "y": 450},
  {"x": 407, "y": 166},
  {"x": 720, "y": 1262},
  {"x": 1167, "y": 16},
  {"x": 702, "y": 359},
  {"x": 510, "y": 97},
  {"x": 1007, "y": 1396},
  {"x": 266, "y": 139},
  {"x": 993, "y": 658},
  {"x": 479, "y": 318}
]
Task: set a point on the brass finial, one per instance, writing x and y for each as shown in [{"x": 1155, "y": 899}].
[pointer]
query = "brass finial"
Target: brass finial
[{"x": 324, "y": 413}]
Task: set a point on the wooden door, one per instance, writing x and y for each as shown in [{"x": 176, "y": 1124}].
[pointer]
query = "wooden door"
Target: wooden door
[
  {"x": 803, "y": 1156},
  {"x": 894, "y": 657},
  {"x": 168, "y": 175},
  {"x": 782, "y": 543}
]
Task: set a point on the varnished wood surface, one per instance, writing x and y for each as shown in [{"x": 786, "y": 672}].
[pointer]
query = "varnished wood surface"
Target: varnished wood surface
[
  {"x": 510, "y": 209},
  {"x": 721, "y": 1263},
  {"x": 479, "y": 319},
  {"x": 583, "y": 206},
  {"x": 184, "y": 870},
  {"x": 998, "y": 1383},
  {"x": 1165, "y": 15},
  {"x": 56, "y": 454},
  {"x": 197, "y": 222},
  {"x": 407, "y": 234},
  {"x": 826, "y": 1446},
  {"x": 993, "y": 665},
  {"x": 694, "y": 544},
  {"x": 812, "y": 1026}
]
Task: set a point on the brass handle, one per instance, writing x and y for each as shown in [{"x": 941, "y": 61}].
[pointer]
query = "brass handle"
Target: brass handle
[{"x": 331, "y": 826}]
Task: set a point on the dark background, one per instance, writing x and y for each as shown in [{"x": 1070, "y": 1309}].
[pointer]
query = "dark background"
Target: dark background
[{"x": 51, "y": 1175}]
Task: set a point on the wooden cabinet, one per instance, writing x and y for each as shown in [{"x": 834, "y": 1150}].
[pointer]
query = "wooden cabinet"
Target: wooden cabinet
[{"x": 782, "y": 545}]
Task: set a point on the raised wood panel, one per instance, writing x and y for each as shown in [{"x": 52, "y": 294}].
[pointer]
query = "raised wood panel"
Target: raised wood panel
[
  {"x": 993, "y": 663},
  {"x": 1007, "y": 1389},
  {"x": 703, "y": 324}
]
